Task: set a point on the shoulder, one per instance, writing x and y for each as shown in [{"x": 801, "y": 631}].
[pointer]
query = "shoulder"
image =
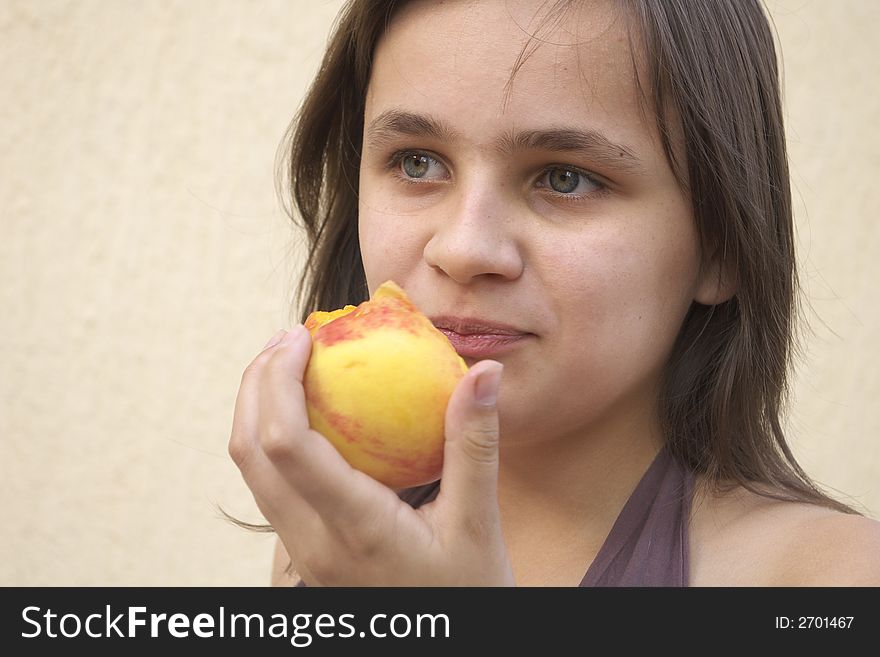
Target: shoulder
[
  {"x": 739, "y": 538},
  {"x": 833, "y": 549}
]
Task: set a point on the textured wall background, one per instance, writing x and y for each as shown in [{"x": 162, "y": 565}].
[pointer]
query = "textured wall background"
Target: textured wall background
[{"x": 144, "y": 260}]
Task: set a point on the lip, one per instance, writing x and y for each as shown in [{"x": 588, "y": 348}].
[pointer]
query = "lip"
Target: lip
[{"x": 479, "y": 338}]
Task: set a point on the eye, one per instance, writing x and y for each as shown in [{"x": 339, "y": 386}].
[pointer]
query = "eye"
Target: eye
[
  {"x": 569, "y": 181},
  {"x": 418, "y": 166},
  {"x": 415, "y": 165}
]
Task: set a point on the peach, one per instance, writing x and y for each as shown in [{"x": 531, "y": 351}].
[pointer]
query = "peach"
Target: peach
[{"x": 377, "y": 385}]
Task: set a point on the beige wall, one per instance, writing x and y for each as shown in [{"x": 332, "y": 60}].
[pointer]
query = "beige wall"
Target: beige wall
[{"x": 144, "y": 260}]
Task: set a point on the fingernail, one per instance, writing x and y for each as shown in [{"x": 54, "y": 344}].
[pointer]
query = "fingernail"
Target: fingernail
[
  {"x": 487, "y": 385},
  {"x": 275, "y": 339}
]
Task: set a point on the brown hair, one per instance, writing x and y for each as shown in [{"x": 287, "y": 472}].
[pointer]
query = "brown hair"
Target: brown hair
[{"x": 712, "y": 77}]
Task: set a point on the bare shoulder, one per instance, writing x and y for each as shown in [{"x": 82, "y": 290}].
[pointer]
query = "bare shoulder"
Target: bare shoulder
[
  {"x": 743, "y": 539},
  {"x": 834, "y": 549}
]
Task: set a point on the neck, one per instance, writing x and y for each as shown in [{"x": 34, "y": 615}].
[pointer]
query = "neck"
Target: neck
[
  {"x": 559, "y": 495},
  {"x": 586, "y": 475}
]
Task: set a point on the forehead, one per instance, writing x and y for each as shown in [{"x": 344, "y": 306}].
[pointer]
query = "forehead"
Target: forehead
[{"x": 487, "y": 65}]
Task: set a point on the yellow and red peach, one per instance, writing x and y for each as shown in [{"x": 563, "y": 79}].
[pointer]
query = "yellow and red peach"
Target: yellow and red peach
[{"x": 377, "y": 385}]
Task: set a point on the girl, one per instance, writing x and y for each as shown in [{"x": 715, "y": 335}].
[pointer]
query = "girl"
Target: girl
[{"x": 607, "y": 183}]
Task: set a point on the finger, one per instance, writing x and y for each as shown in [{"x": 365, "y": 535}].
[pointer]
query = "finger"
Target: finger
[
  {"x": 245, "y": 415},
  {"x": 275, "y": 339},
  {"x": 288, "y": 513},
  {"x": 351, "y": 503},
  {"x": 310, "y": 463},
  {"x": 470, "y": 458},
  {"x": 283, "y": 375}
]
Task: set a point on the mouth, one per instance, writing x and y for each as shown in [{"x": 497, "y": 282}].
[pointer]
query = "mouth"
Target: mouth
[{"x": 477, "y": 338}]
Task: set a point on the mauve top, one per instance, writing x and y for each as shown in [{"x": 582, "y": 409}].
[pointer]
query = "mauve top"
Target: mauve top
[{"x": 648, "y": 543}]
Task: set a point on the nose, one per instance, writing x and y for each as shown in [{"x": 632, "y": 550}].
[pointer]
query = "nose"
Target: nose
[{"x": 477, "y": 237}]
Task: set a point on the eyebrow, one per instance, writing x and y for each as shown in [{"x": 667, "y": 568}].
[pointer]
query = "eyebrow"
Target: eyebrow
[
  {"x": 393, "y": 123},
  {"x": 593, "y": 144}
]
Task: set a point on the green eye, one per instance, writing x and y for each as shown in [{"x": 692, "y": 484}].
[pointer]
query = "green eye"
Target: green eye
[
  {"x": 564, "y": 181},
  {"x": 416, "y": 165},
  {"x": 569, "y": 182}
]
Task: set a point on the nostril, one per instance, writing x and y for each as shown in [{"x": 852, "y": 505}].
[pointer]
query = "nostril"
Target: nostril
[{"x": 465, "y": 255}]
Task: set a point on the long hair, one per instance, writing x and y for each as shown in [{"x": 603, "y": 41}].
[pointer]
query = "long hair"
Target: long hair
[
  {"x": 710, "y": 74},
  {"x": 319, "y": 160}
]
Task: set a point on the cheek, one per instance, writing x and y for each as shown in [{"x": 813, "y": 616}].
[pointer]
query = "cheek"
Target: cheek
[
  {"x": 391, "y": 244},
  {"x": 624, "y": 300},
  {"x": 672, "y": 272},
  {"x": 656, "y": 281}
]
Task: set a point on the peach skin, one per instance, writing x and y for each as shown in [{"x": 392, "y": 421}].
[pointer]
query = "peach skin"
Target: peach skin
[{"x": 377, "y": 385}]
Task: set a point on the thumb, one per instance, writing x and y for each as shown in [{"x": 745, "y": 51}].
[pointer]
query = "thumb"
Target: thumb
[{"x": 470, "y": 457}]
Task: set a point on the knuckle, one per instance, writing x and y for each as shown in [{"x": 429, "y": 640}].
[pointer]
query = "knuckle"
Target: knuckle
[
  {"x": 276, "y": 441},
  {"x": 249, "y": 374},
  {"x": 237, "y": 450},
  {"x": 481, "y": 444}
]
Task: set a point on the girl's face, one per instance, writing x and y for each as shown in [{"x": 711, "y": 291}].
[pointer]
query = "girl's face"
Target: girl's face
[{"x": 544, "y": 204}]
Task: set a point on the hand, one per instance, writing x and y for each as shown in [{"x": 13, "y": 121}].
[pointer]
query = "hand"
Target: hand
[{"x": 340, "y": 526}]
